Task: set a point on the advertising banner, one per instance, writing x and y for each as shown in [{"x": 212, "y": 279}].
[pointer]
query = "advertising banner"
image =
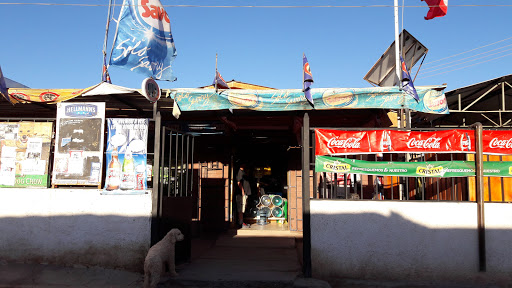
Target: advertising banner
[
  {"x": 431, "y": 99},
  {"x": 144, "y": 42},
  {"x": 24, "y": 153},
  {"x": 23, "y": 95},
  {"x": 126, "y": 155},
  {"x": 339, "y": 142},
  {"x": 411, "y": 169},
  {"x": 78, "y": 154},
  {"x": 497, "y": 142}
]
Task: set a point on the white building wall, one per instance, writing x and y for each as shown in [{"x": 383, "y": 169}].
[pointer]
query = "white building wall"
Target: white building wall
[
  {"x": 74, "y": 226},
  {"x": 420, "y": 241}
]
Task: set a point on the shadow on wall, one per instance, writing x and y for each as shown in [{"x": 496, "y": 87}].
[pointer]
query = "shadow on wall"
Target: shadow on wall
[
  {"x": 389, "y": 246},
  {"x": 108, "y": 241}
]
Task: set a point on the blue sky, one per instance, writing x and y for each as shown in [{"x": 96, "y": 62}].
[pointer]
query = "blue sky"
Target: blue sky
[{"x": 52, "y": 46}]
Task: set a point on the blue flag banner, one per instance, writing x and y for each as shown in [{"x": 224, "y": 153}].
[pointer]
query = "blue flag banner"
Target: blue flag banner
[
  {"x": 3, "y": 87},
  {"x": 143, "y": 41},
  {"x": 307, "y": 79},
  {"x": 219, "y": 81},
  {"x": 407, "y": 84},
  {"x": 432, "y": 99}
]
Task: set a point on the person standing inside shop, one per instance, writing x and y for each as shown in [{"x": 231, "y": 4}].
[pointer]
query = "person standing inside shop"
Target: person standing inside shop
[{"x": 244, "y": 190}]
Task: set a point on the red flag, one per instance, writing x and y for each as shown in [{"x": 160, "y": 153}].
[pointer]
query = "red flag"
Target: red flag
[
  {"x": 219, "y": 82},
  {"x": 438, "y": 8}
]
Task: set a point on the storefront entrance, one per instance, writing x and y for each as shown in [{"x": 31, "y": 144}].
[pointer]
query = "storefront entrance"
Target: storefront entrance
[{"x": 266, "y": 155}]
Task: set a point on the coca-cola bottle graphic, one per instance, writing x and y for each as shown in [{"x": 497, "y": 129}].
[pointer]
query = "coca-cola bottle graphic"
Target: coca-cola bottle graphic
[
  {"x": 465, "y": 142},
  {"x": 385, "y": 142},
  {"x": 114, "y": 172}
]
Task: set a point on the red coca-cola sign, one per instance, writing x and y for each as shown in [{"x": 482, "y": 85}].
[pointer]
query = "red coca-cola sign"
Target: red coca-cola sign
[
  {"x": 338, "y": 142},
  {"x": 335, "y": 142},
  {"x": 497, "y": 142}
]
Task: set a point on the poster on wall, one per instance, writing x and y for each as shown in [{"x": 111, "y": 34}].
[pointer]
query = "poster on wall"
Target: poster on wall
[
  {"x": 79, "y": 144},
  {"x": 24, "y": 153},
  {"x": 126, "y": 155}
]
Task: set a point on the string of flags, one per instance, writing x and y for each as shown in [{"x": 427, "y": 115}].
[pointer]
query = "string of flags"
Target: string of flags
[{"x": 143, "y": 43}]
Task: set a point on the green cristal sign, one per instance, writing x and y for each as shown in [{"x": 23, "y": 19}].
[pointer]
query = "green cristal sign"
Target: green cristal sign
[
  {"x": 411, "y": 169},
  {"x": 29, "y": 181}
]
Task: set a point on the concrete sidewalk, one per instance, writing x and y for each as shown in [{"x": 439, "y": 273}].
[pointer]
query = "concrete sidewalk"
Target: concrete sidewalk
[
  {"x": 23, "y": 275},
  {"x": 234, "y": 259},
  {"x": 245, "y": 259}
]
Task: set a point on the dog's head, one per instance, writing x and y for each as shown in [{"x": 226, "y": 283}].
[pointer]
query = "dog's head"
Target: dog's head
[{"x": 175, "y": 235}]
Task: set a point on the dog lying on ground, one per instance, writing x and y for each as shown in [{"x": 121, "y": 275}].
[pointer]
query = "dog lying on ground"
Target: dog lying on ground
[{"x": 160, "y": 254}]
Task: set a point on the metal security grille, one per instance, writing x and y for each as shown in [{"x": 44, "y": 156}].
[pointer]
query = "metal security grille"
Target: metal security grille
[{"x": 176, "y": 159}]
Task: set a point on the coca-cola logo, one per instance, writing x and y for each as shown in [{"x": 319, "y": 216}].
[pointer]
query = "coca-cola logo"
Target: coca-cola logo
[
  {"x": 496, "y": 143},
  {"x": 351, "y": 142},
  {"x": 430, "y": 143}
]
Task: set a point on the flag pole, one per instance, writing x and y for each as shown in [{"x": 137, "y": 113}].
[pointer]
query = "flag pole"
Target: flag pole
[
  {"x": 104, "y": 52},
  {"x": 215, "y": 72},
  {"x": 397, "y": 47}
]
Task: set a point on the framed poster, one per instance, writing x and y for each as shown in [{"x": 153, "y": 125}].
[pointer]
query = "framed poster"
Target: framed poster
[
  {"x": 24, "y": 153},
  {"x": 126, "y": 155},
  {"x": 78, "y": 153}
]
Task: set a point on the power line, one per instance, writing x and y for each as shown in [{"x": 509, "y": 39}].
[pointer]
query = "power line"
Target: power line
[
  {"x": 256, "y": 6},
  {"x": 469, "y": 61},
  {"x": 445, "y": 64},
  {"x": 428, "y": 63},
  {"x": 465, "y": 66}
]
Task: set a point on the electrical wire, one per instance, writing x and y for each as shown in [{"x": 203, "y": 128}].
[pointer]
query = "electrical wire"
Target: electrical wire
[
  {"x": 455, "y": 61},
  {"x": 470, "y": 61},
  {"x": 256, "y": 6},
  {"x": 464, "y": 67},
  {"x": 428, "y": 63}
]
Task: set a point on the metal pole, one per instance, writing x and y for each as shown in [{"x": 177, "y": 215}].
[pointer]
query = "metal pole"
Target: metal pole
[
  {"x": 154, "y": 193},
  {"x": 216, "y": 72},
  {"x": 397, "y": 47},
  {"x": 155, "y": 109},
  {"x": 480, "y": 195},
  {"x": 306, "y": 216},
  {"x": 104, "y": 52}
]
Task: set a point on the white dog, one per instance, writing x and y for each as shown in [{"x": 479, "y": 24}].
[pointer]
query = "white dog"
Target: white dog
[{"x": 158, "y": 255}]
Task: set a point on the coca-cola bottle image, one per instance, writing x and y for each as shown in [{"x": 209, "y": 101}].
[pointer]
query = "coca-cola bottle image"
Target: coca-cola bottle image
[
  {"x": 465, "y": 142},
  {"x": 114, "y": 172},
  {"x": 385, "y": 142}
]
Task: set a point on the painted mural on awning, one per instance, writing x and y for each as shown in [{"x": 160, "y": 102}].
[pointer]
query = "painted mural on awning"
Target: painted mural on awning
[
  {"x": 52, "y": 96},
  {"x": 24, "y": 95},
  {"x": 432, "y": 99}
]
